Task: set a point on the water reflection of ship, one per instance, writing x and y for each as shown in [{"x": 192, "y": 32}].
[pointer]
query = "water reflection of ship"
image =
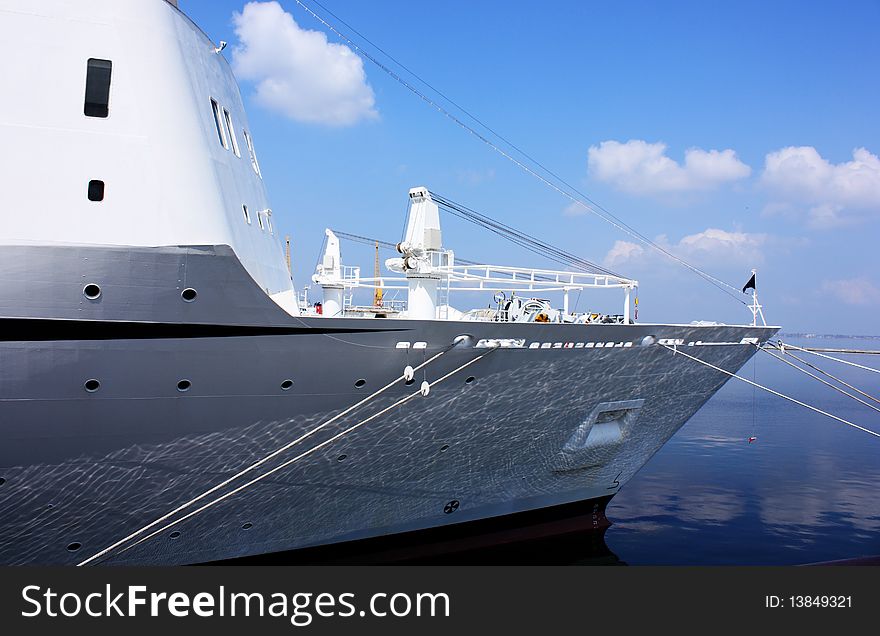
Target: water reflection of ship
[{"x": 571, "y": 534}]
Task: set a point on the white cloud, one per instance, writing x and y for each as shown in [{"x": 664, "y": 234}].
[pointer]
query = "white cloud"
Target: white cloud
[
  {"x": 623, "y": 252},
  {"x": 297, "y": 72},
  {"x": 723, "y": 245},
  {"x": 640, "y": 167},
  {"x": 837, "y": 194},
  {"x": 709, "y": 246},
  {"x": 853, "y": 291}
]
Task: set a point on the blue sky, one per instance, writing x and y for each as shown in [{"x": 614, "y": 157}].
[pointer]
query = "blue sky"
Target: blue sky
[{"x": 737, "y": 135}]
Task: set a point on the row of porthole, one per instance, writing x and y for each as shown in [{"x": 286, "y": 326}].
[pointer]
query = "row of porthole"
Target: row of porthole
[
  {"x": 339, "y": 458},
  {"x": 175, "y": 534},
  {"x": 449, "y": 508},
  {"x": 92, "y": 385},
  {"x": 183, "y": 386},
  {"x": 92, "y": 291},
  {"x": 73, "y": 547},
  {"x": 343, "y": 456}
]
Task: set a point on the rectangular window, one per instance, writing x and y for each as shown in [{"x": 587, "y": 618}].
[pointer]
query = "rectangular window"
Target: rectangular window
[
  {"x": 231, "y": 130},
  {"x": 247, "y": 215},
  {"x": 260, "y": 220},
  {"x": 97, "y": 102},
  {"x": 221, "y": 131},
  {"x": 96, "y": 190},
  {"x": 269, "y": 221},
  {"x": 252, "y": 153}
]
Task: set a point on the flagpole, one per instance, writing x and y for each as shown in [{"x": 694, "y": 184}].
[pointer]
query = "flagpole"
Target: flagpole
[{"x": 755, "y": 307}]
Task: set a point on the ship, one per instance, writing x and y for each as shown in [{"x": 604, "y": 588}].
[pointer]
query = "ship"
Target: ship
[{"x": 168, "y": 397}]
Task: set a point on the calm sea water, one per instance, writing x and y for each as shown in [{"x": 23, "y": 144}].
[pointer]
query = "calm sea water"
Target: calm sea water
[{"x": 807, "y": 490}]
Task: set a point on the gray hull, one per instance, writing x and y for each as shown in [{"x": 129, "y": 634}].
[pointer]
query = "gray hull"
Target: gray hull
[{"x": 557, "y": 421}]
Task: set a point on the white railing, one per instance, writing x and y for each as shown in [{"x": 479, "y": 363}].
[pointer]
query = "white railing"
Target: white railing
[
  {"x": 351, "y": 274},
  {"x": 500, "y": 276},
  {"x": 493, "y": 277}
]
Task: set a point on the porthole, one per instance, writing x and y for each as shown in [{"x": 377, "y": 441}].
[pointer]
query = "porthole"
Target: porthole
[
  {"x": 286, "y": 385},
  {"x": 174, "y": 535},
  {"x": 410, "y": 382},
  {"x": 184, "y": 385},
  {"x": 92, "y": 385},
  {"x": 469, "y": 379},
  {"x": 73, "y": 547},
  {"x": 444, "y": 448},
  {"x": 360, "y": 383},
  {"x": 92, "y": 291},
  {"x": 341, "y": 458},
  {"x": 189, "y": 294},
  {"x": 247, "y": 526},
  {"x": 96, "y": 190},
  {"x": 2, "y": 481}
]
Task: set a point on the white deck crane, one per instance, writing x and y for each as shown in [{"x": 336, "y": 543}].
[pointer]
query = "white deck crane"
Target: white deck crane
[{"x": 430, "y": 274}]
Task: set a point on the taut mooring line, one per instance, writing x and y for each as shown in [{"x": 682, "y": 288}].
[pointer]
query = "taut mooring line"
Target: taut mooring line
[
  {"x": 103, "y": 553},
  {"x": 769, "y": 390},
  {"x": 255, "y": 465}
]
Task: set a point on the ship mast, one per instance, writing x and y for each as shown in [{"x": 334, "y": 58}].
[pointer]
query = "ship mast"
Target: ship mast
[{"x": 377, "y": 273}]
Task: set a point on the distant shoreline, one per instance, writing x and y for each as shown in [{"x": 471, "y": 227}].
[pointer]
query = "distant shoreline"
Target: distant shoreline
[{"x": 827, "y": 336}]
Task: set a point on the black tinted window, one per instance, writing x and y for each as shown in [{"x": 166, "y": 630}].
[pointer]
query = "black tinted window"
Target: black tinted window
[
  {"x": 96, "y": 190},
  {"x": 98, "y": 88}
]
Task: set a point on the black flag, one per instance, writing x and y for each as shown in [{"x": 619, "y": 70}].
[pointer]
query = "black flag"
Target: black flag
[{"x": 750, "y": 284}]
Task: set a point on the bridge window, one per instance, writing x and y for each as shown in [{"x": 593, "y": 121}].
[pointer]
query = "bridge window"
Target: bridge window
[
  {"x": 264, "y": 217},
  {"x": 221, "y": 131},
  {"x": 228, "y": 118},
  {"x": 97, "y": 102},
  {"x": 250, "y": 145}
]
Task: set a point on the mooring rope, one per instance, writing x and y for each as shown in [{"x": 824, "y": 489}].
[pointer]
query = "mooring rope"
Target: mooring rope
[
  {"x": 259, "y": 462},
  {"x": 769, "y": 390},
  {"x": 861, "y": 352},
  {"x": 826, "y": 374},
  {"x": 285, "y": 464},
  {"x": 785, "y": 345},
  {"x": 818, "y": 379}
]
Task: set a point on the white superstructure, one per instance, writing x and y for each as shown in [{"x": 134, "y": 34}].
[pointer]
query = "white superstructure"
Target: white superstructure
[{"x": 171, "y": 159}]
